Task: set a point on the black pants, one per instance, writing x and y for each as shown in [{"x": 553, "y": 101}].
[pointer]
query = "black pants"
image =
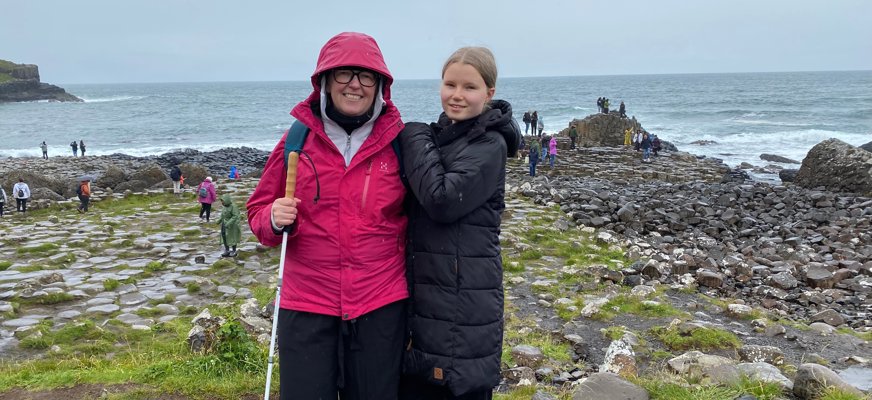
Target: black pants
[
  {"x": 322, "y": 355},
  {"x": 2, "y": 205},
  {"x": 415, "y": 389},
  {"x": 21, "y": 205},
  {"x": 45, "y": 155},
  {"x": 205, "y": 208},
  {"x": 83, "y": 203},
  {"x": 572, "y": 146}
]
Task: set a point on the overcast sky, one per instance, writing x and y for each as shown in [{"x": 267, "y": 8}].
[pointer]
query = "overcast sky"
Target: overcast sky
[{"x": 106, "y": 41}]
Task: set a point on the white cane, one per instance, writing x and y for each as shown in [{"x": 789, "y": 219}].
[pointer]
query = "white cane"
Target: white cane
[{"x": 290, "y": 185}]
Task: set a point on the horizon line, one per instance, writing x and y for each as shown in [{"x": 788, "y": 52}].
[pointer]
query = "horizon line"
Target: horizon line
[{"x": 507, "y": 77}]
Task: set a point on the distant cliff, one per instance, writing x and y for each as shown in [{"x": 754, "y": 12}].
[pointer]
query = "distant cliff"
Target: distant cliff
[{"x": 20, "y": 82}]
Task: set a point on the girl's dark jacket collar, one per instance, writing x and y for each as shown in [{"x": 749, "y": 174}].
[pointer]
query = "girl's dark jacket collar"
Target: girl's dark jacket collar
[{"x": 498, "y": 119}]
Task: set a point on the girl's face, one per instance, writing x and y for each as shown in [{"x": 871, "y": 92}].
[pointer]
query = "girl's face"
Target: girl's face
[{"x": 464, "y": 93}]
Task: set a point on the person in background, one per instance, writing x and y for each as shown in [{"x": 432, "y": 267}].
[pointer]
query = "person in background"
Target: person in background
[
  {"x": 75, "y": 147},
  {"x": 176, "y": 177},
  {"x": 541, "y": 124},
  {"x": 535, "y": 149},
  {"x": 21, "y": 193},
  {"x": 44, "y": 148},
  {"x": 599, "y": 104},
  {"x": 234, "y": 173},
  {"x": 527, "y": 118},
  {"x": 206, "y": 196},
  {"x": 543, "y": 142},
  {"x": 84, "y": 193},
  {"x": 552, "y": 150},
  {"x": 82, "y": 147},
  {"x": 2, "y": 200},
  {"x": 573, "y": 136},
  {"x": 534, "y": 122},
  {"x": 622, "y": 110},
  {"x": 457, "y": 170},
  {"x": 655, "y": 144},
  {"x": 637, "y": 140},
  {"x": 628, "y": 137},
  {"x": 605, "y": 105},
  {"x": 231, "y": 228},
  {"x": 646, "y": 147},
  {"x": 343, "y": 298}
]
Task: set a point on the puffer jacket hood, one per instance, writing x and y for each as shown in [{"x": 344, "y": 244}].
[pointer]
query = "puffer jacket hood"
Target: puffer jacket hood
[
  {"x": 226, "y": 200},
  {"x": 352, "y": 49},
  {"x": 499, "y": 119}
]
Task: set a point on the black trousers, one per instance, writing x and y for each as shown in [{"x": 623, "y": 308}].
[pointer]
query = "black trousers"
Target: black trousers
[
  {"x": 83, "y": 203},
  {"x": 21, "y": 204},
  {"x": 416, "y": 389},
  {"x": 2, "y": 205},
  {"x": 322, "y": 356},
  {"x": 205, "y": 208}
]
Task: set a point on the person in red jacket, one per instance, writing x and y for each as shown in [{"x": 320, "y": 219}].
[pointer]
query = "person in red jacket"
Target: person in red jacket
[{"x": 342, "y": 310}]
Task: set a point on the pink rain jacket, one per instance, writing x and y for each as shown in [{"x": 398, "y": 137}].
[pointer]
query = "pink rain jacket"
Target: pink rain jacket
[{"x": 346, "y": 255}]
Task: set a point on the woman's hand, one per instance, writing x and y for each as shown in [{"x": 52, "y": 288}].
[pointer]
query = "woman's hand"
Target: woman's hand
[{"x": 284, "y": 211}]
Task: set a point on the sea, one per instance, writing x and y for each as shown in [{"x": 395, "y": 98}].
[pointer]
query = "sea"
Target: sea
[{"x": 744, "y": 115}]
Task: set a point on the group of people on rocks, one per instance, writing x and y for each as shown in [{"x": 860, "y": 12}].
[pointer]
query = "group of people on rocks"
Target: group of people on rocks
[
  {"x": 20, "y": 192},
  {"x": 602, "y": 105},
  {"x": 540, "y": 149},
  {"x": 75, "y": 146},
  {"x": 644, "y": 141},
  {"x": 532, "y": 118}
]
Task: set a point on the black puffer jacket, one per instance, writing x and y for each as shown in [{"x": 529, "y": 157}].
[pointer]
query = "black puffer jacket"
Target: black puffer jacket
[{"x": 457, "y": 175}]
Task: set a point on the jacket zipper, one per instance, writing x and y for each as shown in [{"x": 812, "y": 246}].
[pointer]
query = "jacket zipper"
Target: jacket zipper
[{"x": 366, "y": 186}]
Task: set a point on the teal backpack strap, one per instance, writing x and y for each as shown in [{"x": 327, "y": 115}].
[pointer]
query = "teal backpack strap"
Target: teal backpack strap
[{"x": 295, "y": 139}]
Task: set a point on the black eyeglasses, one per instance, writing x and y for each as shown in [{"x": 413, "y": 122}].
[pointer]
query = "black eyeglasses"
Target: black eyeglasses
[{"x": 366, "y": 78}]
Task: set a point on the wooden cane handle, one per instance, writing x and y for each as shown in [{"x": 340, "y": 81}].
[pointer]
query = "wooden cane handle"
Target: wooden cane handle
[{"x": 291, "y": 182}]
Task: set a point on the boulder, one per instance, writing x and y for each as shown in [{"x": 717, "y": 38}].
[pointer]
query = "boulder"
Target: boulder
[
  {"x": 780, "y": 159},
  {"x": 838, "y": 166},
  {"x": 812, "y": 379},
  {"x": 606, "y": 385},
  {"x": 601, "y": 130},
  {"x": 149, "y": 175},
  {"x": 867, "y": 147},
  {"x": 788, "y": 175},
  {"x": 112, "y": 177}
]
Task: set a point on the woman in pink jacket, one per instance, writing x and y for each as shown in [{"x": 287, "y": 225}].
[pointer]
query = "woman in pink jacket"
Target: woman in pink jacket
[
  {"x": 342, "y": 311},
  {"x": 552, "y": 150},
  {"x": 206, "y": 196}
]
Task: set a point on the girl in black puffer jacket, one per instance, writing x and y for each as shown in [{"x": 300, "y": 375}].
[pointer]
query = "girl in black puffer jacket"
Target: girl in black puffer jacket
[{"x": 456, "y": 169}]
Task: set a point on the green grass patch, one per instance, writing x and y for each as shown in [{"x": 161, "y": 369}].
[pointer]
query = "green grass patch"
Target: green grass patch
[
  {"x": 862, "y": 335},
  {"x": 838, "y": 394},
  {"x": 41, "y": 248},
  {"x": 224, "y": 265},
  {"x": 627, "y": 304},
  {"x": 696, "y": 339},
  {"x": 569, "y": 312},
  {"x": 520, "y": 332},
  {"x": 193, "y": 287},
  {"x": 31, "y": 268},
  {"x": 531, "y": 254},
  {"x": 660, "y": 388},
  {"x": 167, "y": 299},
  {"x": 156, "y": 266},
  {"x": 159, "y": 359},
  {"x": 614, "y": 332},
  {"x": 110, "y": 284},
  {"x": 5, "y": 264}
]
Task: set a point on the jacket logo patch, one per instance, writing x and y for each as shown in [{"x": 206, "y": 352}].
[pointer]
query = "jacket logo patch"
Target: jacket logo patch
[
  {"x": 383, "y": 166},
  {"x": 437, "y": 373}
]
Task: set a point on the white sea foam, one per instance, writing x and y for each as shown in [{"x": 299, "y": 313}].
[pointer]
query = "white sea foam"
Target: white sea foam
[{"x": 111, "y": 98}]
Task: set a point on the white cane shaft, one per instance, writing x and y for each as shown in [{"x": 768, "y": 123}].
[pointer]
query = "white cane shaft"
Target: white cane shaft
[{"x": 275, "y": 324}]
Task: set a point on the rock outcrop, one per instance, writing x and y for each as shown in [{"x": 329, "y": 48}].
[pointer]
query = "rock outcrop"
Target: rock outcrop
[
  {"x": 601, "y": 129},
  {"x": 838, "y": 167},
  {"x": 20, "y": 82}
]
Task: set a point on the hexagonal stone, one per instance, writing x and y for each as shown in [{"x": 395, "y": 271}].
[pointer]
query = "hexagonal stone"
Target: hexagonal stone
[
  {"x": 131, "y": 299},
  {"x": 103, "y": 309}
]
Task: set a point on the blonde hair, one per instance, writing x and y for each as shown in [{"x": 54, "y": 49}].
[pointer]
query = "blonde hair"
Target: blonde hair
[{"x": 480, "y": 58}]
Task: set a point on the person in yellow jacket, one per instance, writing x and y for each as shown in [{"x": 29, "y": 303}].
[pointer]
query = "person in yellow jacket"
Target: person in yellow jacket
[{"x": 627, "y": 134}]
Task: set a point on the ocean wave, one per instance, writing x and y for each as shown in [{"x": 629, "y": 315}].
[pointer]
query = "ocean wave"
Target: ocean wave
[
  {"x": 112, "y": 98},
  {"x": 773, "y": 123}
]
